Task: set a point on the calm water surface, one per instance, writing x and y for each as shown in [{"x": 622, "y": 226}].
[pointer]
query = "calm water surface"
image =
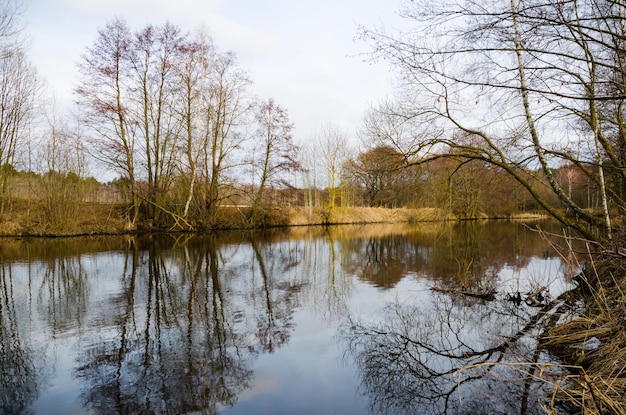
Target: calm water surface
[{"x": 309, "y": 321}]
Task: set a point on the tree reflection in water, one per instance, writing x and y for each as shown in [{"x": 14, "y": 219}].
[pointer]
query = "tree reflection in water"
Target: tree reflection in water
[
  {"x": 63, "y": 292},
  {"x": 279, "y": 298},
  {"x": 18, "y": 377},
  {"x": 440, "y": 357},
  {"x": 179, "y": 324},
  {"x": 184, "y": 334}
]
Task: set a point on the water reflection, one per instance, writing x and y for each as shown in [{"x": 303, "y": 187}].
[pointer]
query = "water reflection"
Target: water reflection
[
  {"x": 470, "y": 255},
  {"x": 184, "y": 324},
  {"x": 438, "y": 357},
  {"x": 154, "y": 358},
  {"x": 18, "y": 379}
]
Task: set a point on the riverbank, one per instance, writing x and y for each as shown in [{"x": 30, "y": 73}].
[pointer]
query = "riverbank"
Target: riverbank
[
  {"x": 591, "y": 341},
  {"x": 33, "y": 218}
]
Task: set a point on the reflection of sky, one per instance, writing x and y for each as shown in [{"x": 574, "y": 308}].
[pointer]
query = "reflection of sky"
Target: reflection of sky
[
  {"x": 62, "y": 395},
  {"x": 540, "y": 272},
  {"x": 306, "y": 377},
  {"x": 55, "y": 350},
  {"x": 308, "y": 373}
]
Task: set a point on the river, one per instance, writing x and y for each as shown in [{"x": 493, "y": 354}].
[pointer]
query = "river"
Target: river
[{"x": 364, "y": 319}]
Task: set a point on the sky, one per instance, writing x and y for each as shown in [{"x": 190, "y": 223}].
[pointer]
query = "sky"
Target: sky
[{"x": 304, "y": 54}]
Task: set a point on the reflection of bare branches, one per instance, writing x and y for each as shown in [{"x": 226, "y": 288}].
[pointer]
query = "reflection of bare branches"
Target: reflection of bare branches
[
  {"x": 330, "y": 284},
  {"x": 180, "y": 336},
  {"x": 437, "y": 360},
  {"x": 177, "y": 328},
  {"x": 18, "y": 378},
  {"x": 179, "y": 355},
  {"x": 382, "y": 261},
  {"x": 275, "y": 324},
  {"x": 64, "y": 292}
]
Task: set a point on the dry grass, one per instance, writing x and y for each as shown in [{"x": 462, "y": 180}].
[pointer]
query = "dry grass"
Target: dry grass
[
  {"x": 590, "y": 345},
  {"x": 24, "y": 218},
  {"x": 597, "y": 384},
  {"x": 33, "y": 217},
  {"x": 355, "y": 215},
  {"x": 529, "y": 216}
]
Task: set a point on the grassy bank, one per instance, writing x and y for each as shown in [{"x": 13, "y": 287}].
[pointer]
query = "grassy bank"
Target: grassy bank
[{"x": 36, "y": 218}]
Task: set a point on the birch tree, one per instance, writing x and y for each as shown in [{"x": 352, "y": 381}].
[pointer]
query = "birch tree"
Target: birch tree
[
  {"x": 227, "y": 109},
  {"x": 154, "y": 85},
  {"x": 166, "y": 108},
  {"x": 333, "y": 153},
  {"x": 530, "y": 84},
  {"x": 194, "y": 74}
]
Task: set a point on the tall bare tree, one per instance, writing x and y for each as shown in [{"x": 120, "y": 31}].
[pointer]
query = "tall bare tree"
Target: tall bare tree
[
  {"x": 103, "y": 94},
  {"x": 333, "y": 153},
  {"x": 193, "y": 69},
  {"x": 10, "y": 26},
  {"x": 19, "y": 87},
  {"x": 531, "y": 84},
  {"x": 227, "y": 109},
  {"x": 278, "y": 152},
  {"x": 168, "y": 109},
  {"x": 310, "y": 171},
  {"x": 154, "y": 86}
]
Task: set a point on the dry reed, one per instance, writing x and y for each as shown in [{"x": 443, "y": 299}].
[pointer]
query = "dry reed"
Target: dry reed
[{"x": 594, "y": 343}]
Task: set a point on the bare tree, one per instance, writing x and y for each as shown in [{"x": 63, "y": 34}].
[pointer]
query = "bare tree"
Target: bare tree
[
  {"x": 333, "y": 152},
  {"x": 278, "y": 152},
  {"x": 214, "y": 109},
  {"x": 19, "y": 86},
  {"x": 150, "y": 95},
  {"x": 531, "y": 84},
  {"x": 382, "y": 176},
  {"x": 63, "y": 166},
  {"x": 193, "y": 70},
  {"x": 226, "y": 111},
  {"x": 10, "y": 27},
  {"x": 154, "y": 88},
  {"x": 308, "y": 156},
  {"x": 104, "y": 98}
]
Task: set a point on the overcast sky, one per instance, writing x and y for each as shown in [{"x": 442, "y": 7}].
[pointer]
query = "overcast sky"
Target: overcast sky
[{"x": 301, "y": 53}]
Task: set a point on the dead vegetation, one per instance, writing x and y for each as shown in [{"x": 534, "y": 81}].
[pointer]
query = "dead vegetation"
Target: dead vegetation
[
  {"x": 593, "y": 343},
  {"x": 34, "y": 218}
]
